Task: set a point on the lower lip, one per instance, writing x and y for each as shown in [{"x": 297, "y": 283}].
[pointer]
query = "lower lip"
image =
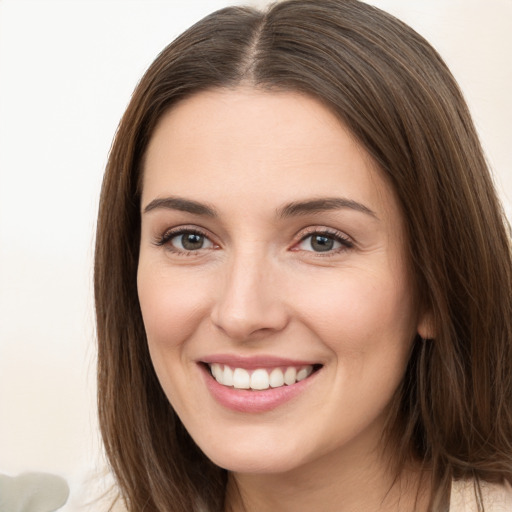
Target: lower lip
[{"x": 243, "y": 400}]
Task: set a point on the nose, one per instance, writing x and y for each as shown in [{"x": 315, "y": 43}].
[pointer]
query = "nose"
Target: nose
[{"x": 250, "y": 302}]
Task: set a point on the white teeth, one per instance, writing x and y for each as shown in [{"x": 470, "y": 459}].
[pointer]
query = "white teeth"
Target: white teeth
[
  {"x": 241, "y": 379},
  {"x": 227, "y": 376},
  {"x": 259, "y": 379},
  {"x": 290, "y": 376},
  {"x": 304, "y": 372},
  {"x": 216, "y": 372},
  {"x": 276, "y": 379}
]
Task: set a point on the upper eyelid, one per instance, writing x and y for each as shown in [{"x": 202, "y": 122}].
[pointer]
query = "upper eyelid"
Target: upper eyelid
[
  {"x": 315, "y": 229},
  {"x": 305, "y": 232},
  {"x": 186, "y": 229}
]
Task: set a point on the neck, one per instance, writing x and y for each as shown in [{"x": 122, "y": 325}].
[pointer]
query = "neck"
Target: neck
[{"x": 331, "y": 485}]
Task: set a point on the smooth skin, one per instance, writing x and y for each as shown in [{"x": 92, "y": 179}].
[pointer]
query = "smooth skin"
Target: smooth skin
[{"x": 268, "y": 230}]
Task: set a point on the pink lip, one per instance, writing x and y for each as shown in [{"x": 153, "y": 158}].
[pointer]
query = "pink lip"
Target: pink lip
[{"x": 247, "y": 401}]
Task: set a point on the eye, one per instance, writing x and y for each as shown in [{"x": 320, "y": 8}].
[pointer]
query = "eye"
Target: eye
[
  {"x": 190, "y": 241},
  {"x": 324, "y": 242},
  {"x": 186, "y": 240}
]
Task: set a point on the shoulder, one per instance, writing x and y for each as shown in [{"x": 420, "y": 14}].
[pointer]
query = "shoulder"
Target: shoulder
[{"x": 496, "y": 497}]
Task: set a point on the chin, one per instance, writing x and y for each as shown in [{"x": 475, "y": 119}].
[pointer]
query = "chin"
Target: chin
[
  {"x": 255, "y": 463},
  {"x": 254, "y": 457}
]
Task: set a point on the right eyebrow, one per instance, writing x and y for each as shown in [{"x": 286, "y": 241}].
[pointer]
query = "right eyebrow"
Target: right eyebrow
[{"x": 181, "y": 204}]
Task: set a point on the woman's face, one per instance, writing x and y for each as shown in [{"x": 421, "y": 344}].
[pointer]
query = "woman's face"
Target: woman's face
[{"x": 272, "y": 253}]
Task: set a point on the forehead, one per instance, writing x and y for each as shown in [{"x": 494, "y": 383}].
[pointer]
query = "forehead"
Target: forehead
[
  {"x": 219, "y": 118},
  {"x": 258, "y": 145}
]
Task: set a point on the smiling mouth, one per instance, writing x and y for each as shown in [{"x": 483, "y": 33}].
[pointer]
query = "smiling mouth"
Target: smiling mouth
[{"x": 261, "y": 378}]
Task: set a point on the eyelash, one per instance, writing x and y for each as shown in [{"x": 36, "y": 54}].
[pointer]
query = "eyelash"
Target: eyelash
[
  {"x": 166, "y": 238},
  {"x": 335, "y": 235}
]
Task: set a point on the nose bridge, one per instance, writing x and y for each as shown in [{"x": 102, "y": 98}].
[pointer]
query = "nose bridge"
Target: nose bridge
[{"x": 248, "y": 300}]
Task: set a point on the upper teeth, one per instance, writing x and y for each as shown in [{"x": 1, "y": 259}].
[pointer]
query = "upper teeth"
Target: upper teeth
[{"x": 259, "y": 379}]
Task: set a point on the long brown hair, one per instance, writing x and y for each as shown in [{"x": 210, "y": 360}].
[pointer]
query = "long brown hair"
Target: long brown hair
[{"x": 389, "y": 86}]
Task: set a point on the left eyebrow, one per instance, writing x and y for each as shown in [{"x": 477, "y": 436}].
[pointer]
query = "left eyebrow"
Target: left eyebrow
[{"x": 321, "y": 205}]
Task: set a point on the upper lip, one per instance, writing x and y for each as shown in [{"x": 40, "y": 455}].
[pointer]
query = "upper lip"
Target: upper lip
[{"x": 254, "y": 362}]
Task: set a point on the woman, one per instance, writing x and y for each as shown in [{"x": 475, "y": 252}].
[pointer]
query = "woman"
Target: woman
[{"x": 303, "y": 275}]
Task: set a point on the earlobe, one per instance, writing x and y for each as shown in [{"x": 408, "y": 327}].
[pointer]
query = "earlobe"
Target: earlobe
[{"x": 426, "y": 328}]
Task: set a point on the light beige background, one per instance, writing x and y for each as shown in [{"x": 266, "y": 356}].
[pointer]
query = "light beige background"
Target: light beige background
[{"x": 67, "y": 69}]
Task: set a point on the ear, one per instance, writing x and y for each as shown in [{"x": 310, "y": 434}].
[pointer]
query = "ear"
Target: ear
[{"x": 426, "y": 328}]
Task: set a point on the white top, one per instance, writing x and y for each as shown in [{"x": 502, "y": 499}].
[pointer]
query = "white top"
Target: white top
[{"x": 496, "y": 497}]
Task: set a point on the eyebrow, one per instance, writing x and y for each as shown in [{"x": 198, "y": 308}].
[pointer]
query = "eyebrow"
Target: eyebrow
[
  {"x": 321, "y": 205},
  {"x": 293, "y": 209},
  {"x": 183, "y": 205}
]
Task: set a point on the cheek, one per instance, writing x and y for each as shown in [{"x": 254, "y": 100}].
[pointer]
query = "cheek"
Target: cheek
[
  {"x": 367, "y": 322},
  {"x": 355, "y": 312},
  {"x": 171, "y": 305}
]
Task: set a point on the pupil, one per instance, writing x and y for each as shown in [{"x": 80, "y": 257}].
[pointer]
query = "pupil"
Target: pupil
[
  {"x": 322, "y": 243},
  {"x": 191, "y": 241}
]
